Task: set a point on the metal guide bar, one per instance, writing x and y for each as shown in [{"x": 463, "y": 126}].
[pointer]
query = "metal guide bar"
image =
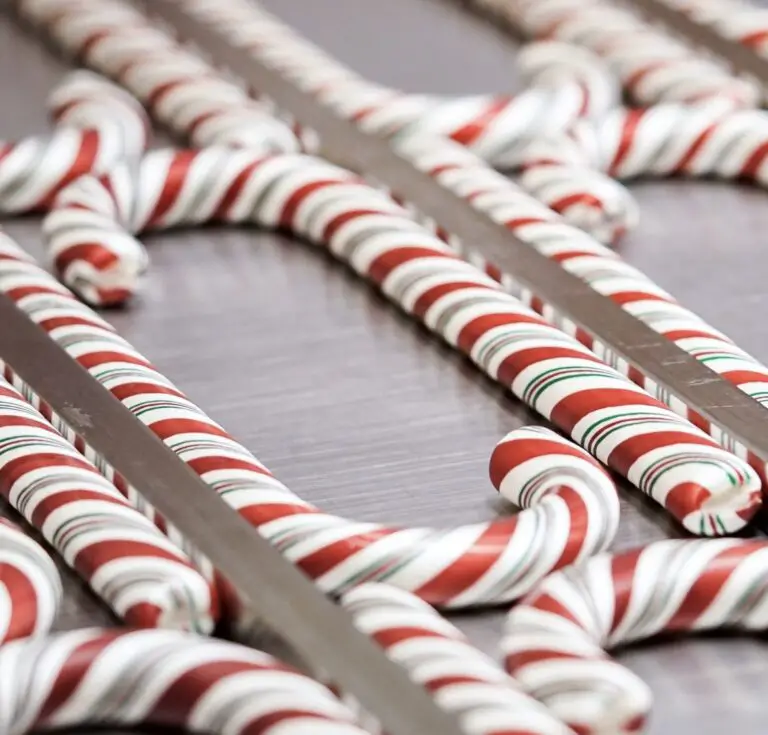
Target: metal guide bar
[
  {"x": 277, "y": 592},
  {"x": 740, "y": 58},
  {"x": 343, "y": 142}
]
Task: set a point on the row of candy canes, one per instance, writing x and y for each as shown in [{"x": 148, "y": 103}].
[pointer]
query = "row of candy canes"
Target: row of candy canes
[
  {"x": 469, "y": 713},
  {"x": 91, "y": 228},
  {"x": 127, "y": 677},
  {"x": 567, "y": 84}
]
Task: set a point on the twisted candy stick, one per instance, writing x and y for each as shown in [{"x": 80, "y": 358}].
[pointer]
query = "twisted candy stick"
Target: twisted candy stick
[
  {"x": 439, "y": 658},
  {"x": 196, "y": 101},
  {"x": 555, "y": 638},
  {"x": 160, "y": 678},
  {"x": 139, "y": 573},
  {"x": 652, "y": 65},
  {"x": 30, "y": 584},
  {"x": 663, "y": 455},
  {"x": 98, "y": 124},
  {"x": 470, "y": 565},
  {"x": 457, "y": 170},
  {"x": 499, "y": 132}
]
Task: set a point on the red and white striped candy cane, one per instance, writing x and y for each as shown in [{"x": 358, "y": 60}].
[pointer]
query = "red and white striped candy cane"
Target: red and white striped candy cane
[
  {"x": 366, "y": 229},
  {"x": 187, "y": 94},
  {"x": 98, "y": 124},
  {"x": 471, "y": 565},
  {"x": 438, "y": 657},
  {"x": 456, "y": 169},
  {"x": 125, "y": 678},
  {"x": 653, "y": 65},
  {"x": 30, "y": 586},
  {"x": 556, "y": 639},
  {"x": 130, "y": 565}
]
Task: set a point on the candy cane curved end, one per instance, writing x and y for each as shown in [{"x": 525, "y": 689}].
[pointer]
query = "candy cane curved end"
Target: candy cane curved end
[
  {"x": 30, "y": 586},
  {"x": 556, "y": 639},
  {"x": 437, "y": 657},
  {"x": 97, "y": 125},
  {"x": 159, "y": 678}
]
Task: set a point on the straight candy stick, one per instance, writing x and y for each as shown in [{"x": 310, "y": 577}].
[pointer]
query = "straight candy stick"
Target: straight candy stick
[
  {"x": 652, "y": 64},
  {"x": 139, "y": 573},
  {"x": 124, "y": 678}
]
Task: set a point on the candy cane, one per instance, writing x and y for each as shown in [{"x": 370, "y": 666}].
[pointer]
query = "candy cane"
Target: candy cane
[
  {"x": 652, "y": 64},
  {"x": 162, "y": 678},
  {"x": 130, "y": 565},
  {"x": 470, "y": 565},
  {"x": 556, "y": 639},
  {"x": 365, "y": 228},
  {"x": 193, "y": 99},
  {"x": 438, "y": 657},
  {"x": 30, "y": 585},
  {"x": 98, "y": 124}
]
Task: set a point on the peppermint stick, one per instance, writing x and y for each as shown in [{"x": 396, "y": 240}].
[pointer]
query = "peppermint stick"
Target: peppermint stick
[
  {"x": 438, "y": 657},
  {"x": 127, "y": 562},
  {"x": 188, "y": 95},
  {"x": 363, "y": 227},
  {"x": 471, "y": 565},
  {"x": 556, "y": 639},
  {"x": 30, "y": 586},
  {"x": 97, "y": 124},
  {"x": 125, "y": 678}
]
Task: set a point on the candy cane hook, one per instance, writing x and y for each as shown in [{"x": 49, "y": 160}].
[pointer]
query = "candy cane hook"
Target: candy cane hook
[
  {"x": 556, "y": 639},
  {"x": 97, "y": 125}
]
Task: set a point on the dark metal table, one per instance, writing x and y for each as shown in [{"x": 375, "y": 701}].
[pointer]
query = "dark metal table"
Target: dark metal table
[{"x": 360, "y": 411}]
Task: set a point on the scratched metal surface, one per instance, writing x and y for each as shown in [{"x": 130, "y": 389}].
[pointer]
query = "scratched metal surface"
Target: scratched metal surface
[{"x": 362, "y": 412}]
